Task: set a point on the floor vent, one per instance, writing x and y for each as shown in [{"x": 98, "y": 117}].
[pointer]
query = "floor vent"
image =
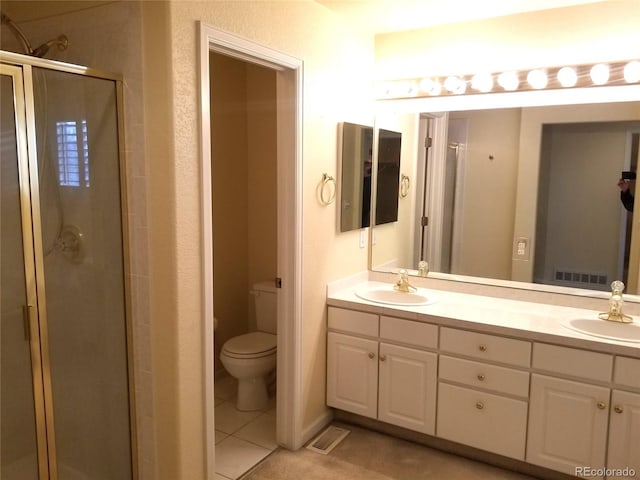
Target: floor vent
[{"x": 328, "y": 440}]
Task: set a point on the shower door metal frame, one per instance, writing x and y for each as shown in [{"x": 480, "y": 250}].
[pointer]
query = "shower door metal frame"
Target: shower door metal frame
[
  {"x": 26, "y": 159},
  {"x": 21, "y": 68}
]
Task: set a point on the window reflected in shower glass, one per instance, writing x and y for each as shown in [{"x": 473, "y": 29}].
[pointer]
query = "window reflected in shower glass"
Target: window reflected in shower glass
[{"x": 73, "y": 153}]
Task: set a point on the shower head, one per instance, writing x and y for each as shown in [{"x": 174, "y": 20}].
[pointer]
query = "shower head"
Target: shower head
[{"x": 62, "y": 42}]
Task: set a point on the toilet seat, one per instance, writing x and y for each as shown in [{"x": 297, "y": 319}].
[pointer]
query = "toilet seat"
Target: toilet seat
[{"x": 250, "y": 345}]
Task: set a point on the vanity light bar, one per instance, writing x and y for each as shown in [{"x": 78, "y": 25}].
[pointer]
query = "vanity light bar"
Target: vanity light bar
[{"x": 610, "y": 74}]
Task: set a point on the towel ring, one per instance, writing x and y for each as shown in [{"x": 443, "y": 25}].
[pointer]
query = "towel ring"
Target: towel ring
[
  {"x": 326, "y": 180},
  {"x": 405, "y": 183}
]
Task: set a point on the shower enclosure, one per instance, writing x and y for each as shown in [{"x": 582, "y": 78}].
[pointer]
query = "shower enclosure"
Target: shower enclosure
[{"x": 65, "y": 376}]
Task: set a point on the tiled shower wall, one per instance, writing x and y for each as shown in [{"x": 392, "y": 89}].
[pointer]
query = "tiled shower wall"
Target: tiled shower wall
[{"x": 109, "y": 38}]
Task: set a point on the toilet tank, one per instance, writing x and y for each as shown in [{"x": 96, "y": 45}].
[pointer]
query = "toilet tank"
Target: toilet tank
[{"x": 264, "y": 297}]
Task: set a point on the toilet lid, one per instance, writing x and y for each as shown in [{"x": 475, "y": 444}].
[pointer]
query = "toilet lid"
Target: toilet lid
[{"x": 251, "y": 343}]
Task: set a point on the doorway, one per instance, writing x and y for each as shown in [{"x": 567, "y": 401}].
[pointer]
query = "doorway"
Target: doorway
[
  {"x": 288, "y": 97},
  {"x": 244, "y": 190}
]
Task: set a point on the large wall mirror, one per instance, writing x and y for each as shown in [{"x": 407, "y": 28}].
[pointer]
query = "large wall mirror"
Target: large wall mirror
[{"x": 525, "y": 196}]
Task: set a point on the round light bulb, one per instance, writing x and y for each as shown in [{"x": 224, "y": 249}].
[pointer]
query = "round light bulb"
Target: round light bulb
[
  {"x": 599, "y": 74},
  {"x": 483, "y": 82},
  {"x": 567, "y": 77},
  {"x": 537, "y": 79},
  {"x": 430, "y": 86},
  {"x": 509, "y": 80},
  {"x": 455, "y": 85},
  {"x": 632, "y": 72},
  {"x": 382, "y": 89}
]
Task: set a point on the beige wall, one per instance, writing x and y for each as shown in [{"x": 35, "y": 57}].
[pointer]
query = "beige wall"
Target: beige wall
[
  {"x": 603, "y": 31},
  {"x": 230, "y": 191},
  {"x": 262, "y": 191},
  {"x": 584, "y": 165},
  {"x": 394, "y": 241},
  {"x": 336, "y": 79},
  {"x": 109, "y": 38},
  {"x": 489, "y": 192},
  {"x": 532, "y": 122}
]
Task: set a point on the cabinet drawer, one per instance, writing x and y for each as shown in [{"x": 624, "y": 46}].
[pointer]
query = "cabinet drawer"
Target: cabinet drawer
[
  {"x": 486, "y": 347},
  {"x": 627, "y": 372},
  {"x": 405, "y": 331},
  {"x": 572, "y": 361},
  {"x": 352, "y": 321},
  {"x": 482, "y": 375},
  {"x": 482, "y": 420}
]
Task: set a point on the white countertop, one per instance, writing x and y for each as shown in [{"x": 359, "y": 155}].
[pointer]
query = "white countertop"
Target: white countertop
[{"x": 515, "y": 318}]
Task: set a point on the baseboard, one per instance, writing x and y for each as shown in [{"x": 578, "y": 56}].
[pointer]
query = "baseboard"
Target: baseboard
[{"x": 317, "y": 425}]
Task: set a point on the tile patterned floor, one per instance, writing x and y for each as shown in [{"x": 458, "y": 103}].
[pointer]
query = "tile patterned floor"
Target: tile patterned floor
[{"x": 243, "y": 439}]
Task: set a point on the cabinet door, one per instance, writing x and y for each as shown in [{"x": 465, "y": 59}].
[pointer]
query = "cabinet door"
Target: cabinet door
[
  {"x": 407, "y": 391},
  {"x": 624, "y": 435},
  {"x": 567, "y": 424},
  {"x": 352, "y": 374}
]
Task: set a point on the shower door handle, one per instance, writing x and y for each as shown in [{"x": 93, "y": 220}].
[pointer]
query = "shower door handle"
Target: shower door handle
[{"x": 26, "y": 319}]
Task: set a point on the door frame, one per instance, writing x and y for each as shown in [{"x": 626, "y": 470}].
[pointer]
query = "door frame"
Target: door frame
[{"x": 289, "y": 71}]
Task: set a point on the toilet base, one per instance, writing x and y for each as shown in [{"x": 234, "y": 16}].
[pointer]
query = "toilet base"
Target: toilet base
[{"x": 252, "y": 394}]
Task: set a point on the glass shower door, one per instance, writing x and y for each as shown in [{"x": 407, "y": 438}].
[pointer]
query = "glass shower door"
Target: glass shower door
[
  {"x": 20, "y": 391},
  {"x": 66, "y": 389},
  {"x": 79, "y": 195}
]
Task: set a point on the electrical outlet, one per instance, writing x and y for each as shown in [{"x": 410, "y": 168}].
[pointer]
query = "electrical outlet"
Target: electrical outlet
[{"x": 521, "y": 248}]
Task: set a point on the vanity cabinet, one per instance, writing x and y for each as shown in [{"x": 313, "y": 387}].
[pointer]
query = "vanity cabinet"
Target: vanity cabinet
[
  {"x": 482, "y": 404},
  {"x": 569, "y": 409},
  {"x": 376, "y": 378}
]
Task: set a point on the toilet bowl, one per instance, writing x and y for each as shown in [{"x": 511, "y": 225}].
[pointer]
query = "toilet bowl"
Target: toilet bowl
[{"x": 251, "y": 357}]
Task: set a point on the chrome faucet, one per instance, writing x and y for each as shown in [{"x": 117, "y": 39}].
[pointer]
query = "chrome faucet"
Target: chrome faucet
[
  {"x": 615, "y": 305},
  {"x": 403, "y": 285}
]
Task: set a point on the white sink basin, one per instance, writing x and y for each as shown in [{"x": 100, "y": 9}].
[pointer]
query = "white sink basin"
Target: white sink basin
[
  {"x": 623, "y": 332},
  {"x": 387, "y": 295}
]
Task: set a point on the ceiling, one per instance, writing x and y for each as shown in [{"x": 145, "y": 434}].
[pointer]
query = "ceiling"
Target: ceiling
[
  {"x": 382, "y": 16},
  {"x": 26, "y": 10},
  {"x": 378, "y": 16}
]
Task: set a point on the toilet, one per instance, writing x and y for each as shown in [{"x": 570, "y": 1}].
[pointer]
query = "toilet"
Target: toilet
[{"x": 251, "y": 357}]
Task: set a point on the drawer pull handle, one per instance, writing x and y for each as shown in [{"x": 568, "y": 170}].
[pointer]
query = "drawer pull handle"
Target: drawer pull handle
[
  {"x": 372, "y": 355},
  {"x": 479, "y": 405},
  {"x": 601, "y": 405},
  {"x": 618, "y": 409},
  {"x": 482, "y": 348},
  {"x": 383, "y": 358},
  {"x": 481, "y": 377}
]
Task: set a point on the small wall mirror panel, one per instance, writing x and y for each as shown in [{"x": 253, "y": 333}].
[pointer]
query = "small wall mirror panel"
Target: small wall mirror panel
[
  {"x": 356, "y": 168},
  {"x": 523, "y": 194},
  {"x": 387, "y": 176}
]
